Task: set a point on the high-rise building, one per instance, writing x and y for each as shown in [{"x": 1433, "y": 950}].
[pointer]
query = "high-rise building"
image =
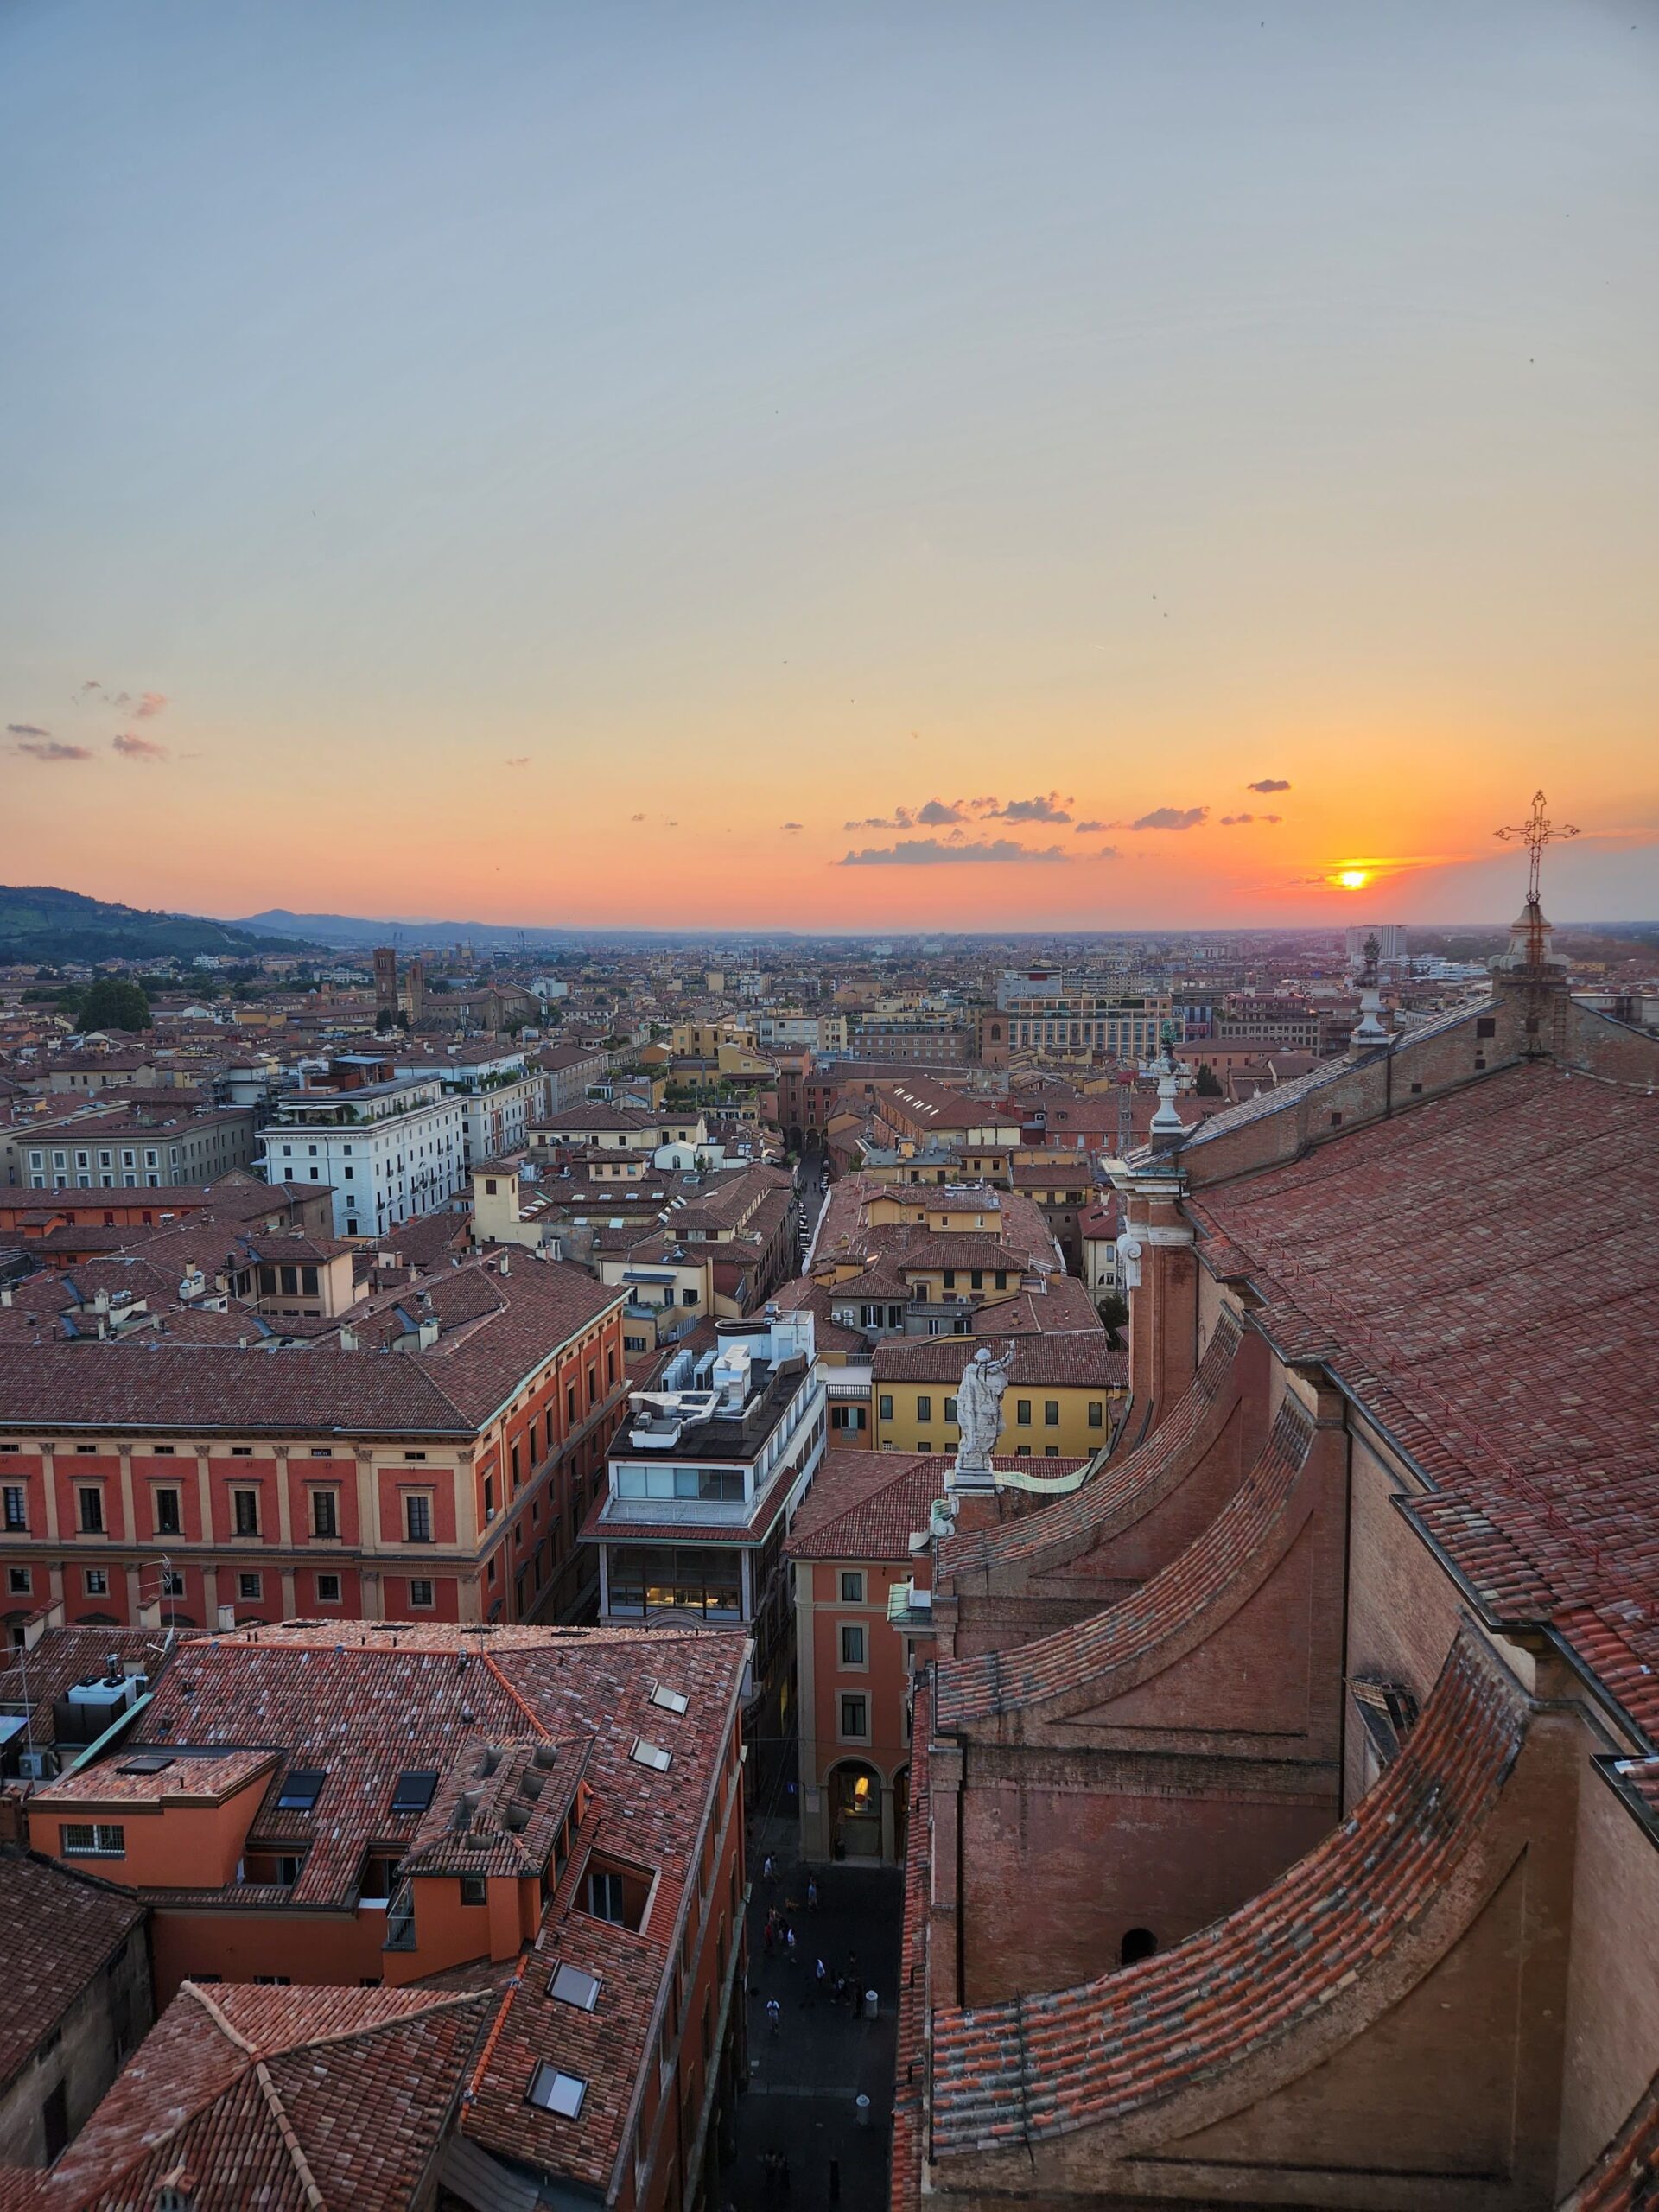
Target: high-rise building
[{"x": 1390, "y": 943}]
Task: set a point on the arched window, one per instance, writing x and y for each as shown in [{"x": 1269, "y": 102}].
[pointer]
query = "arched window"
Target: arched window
[{"x": 1138, "y": 1943}]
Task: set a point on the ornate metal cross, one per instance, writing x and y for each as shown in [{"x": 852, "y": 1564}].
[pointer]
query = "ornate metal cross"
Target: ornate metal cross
[{"x": 1535, "y": 833}]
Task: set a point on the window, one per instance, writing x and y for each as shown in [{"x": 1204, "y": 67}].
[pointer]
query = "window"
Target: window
[
  {"x": 1097, "y": 1414},
  {"x": 571, "y": 1985},
  {"x": 97, "y": 1582},
  {"x": 172, "y": 1583},
  {"x": 1486, "y": 1025},
  {"x": 327, "y": 1589},
  {"x": 1023, "y": 1411},
  {"x": 414, "y": 1791},
  {"x": 852, "y": 1588},
  {"x": 417, "y": 1520},
  {"x": 421, "y": 1596},
  {"x": 19, "y": 1581},
  {"x": 1051, "y": 1412},
  {"x": 249, "y": 1585},
  {"x": 923, "y": 1407},
  {"x": 669, "y": 1701},
  {"x": 651, "y": 1755},
  {"x": 475, "y": 1889},
  {"x": 856, "y": 1718},
  {"x": 1138, "y": 1944},
  {"x": 605, "y": 1897},
  {"x": 91, "y": 1512},
  {"x": 244, "y": 1512},
  {"x": 555, "y": 2092},
  {"x": 884, "y": 1407},
  {"x": 325, "y": 1513},
  {"x": 93, "y": 1839},
  {"x": 302, "y": 1786},
  {"x": 852, "y": 1645},
  {"x": 16, "y": 1505}
]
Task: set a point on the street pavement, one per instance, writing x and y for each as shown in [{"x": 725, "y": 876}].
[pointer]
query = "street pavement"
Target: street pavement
[{"x": 805, "y": 2083}]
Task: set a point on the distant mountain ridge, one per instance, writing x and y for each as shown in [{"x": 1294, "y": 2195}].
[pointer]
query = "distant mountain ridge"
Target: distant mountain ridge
[
  {"x": 354, "y": 931},
  {"x": 41, "y": 923}
]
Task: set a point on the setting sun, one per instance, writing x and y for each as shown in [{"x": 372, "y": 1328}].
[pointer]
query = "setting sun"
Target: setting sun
[{"x": 1353, "y": 879}]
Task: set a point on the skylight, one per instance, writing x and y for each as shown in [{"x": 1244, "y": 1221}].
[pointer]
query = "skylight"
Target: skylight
[
  {"x": 651, "y": 1755},
  {"x": 415, "y": 1791},
  {"x": 150, "y": 1763},
  {"x": 671, "y": 1700},
  {"x": 572, "y": 1987},
  {"x": 300, "y": 1790},
  {"x": 555, "y": 2092}
]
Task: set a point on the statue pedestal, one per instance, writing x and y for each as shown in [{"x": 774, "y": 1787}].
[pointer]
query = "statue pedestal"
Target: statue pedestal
[{"x": 971, "y": 1475}]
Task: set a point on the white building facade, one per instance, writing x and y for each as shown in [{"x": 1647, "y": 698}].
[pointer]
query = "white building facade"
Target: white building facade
[{"x": 388, "y": 1150}]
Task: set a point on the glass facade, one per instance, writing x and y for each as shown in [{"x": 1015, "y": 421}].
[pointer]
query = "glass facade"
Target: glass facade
[{"x": 648, "y": 1579}]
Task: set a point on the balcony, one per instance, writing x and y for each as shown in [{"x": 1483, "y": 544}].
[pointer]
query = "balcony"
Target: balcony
[{"x": 909, "y": 1609}]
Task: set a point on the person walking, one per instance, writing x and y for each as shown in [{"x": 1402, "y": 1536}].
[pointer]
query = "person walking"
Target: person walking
[
  {"x": 789, "y": 1944},
  {"x": 820, "y": 1975},
  {"x": 768, "y": 1871},
  {"x": 812, "y": 1892},
  {"x": 774, "y": 2017}
]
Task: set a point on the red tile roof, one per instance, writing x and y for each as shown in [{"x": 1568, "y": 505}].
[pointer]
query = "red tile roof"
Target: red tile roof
[
  {"x": 61, "y": 1927},
  {"x": 867, "y": 1504},
  {"x": 1096, "y": 1658},
  {"x": 1012, "y": 2075},
  {"x": 1481, "y": 1273},
  {"x": 1624, "y": 2179},
  {"x": 281, "y": 2098}
]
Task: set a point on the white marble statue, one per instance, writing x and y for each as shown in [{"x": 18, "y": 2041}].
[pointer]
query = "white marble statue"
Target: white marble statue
[{"x": 979, "y": 1407}]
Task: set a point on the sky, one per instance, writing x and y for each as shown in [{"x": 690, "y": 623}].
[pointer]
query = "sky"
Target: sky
[{"x": 841, "y": 467}]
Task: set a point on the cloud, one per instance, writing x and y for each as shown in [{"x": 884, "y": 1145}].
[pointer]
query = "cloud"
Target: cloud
[
  {"x": 91, "y": 685},
  {"x": 636, "y": 818},
  {"x": 1171, "y": 817},
  {"x": 150, "y": 703},
  {"x": 1088, "y": 829},
  {"x": 1050, "y": 808},
  {"x": 26, "y": 730},
  {"x": 1232, "y": 821},
  {"x": 517, "y": 761},
  {"x": 53, "y": 748},
  {"x": 138, "y": 748},
  {"x": 1109, "y": 853},
  {"x": 936, "y": 811},
  {"x": 900, "y": 818},
  {"x": 792, "y": 825},
  {"x": 926, "y": 852},
  {"x": 1269, "y": 784}
]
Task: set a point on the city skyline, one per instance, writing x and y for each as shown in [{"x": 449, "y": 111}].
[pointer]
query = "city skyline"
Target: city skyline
[{"x": 1121, "y": 470}]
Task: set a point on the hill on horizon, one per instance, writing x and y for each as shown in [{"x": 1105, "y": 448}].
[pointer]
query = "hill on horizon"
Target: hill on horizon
[{"x": 41, "y": 923}]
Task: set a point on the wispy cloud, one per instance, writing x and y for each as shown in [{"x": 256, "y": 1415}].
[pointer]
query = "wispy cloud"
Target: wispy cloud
[
  {"x": 53, "y": 749},
  {"x": 26, "y": 730},
  {"x": 1088, "y": 829},
  {"x": 929, "y": 852},
  {"x": 1269, "y": 784},
  {"x": 134, "y": 748},
  {"x": 792, "y": 825},
  {"x": 1109, "y": 853},
  {"x": 636, "y": 818},
  {"x": 900, "y": 818},
  {"x": 517, "y": 761},
  {"x": 150, "y": 704},
  {"x": 1235, "y": 820},
  {"x": 1171, "y": 817}
]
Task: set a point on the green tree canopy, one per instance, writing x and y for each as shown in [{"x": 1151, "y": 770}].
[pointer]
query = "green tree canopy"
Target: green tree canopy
[
  {"x": 113, "y": 1003},
  {"x": 1208, "y": 1084}
]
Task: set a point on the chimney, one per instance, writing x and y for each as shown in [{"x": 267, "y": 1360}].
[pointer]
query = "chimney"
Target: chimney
[
  {"x": 348, "y": 1340},
  {"x": 226, "y": 1619},
  {"x": 429, "y": 1332}
]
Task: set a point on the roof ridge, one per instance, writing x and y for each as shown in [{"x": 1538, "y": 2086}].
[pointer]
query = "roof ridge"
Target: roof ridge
[{"x": 278, "y": 2111}]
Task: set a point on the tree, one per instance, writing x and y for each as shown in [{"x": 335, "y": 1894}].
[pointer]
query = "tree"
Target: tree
[
  {"x": 113, "y": 1003},
  {"x": 1115, "y": 1313},
  {"x": 1208, "y": 1084},
  {"x": 384, "y": 1021}
]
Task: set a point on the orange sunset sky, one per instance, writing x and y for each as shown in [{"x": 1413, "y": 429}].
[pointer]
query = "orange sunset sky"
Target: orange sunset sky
[{"x": 833, "y": 469}]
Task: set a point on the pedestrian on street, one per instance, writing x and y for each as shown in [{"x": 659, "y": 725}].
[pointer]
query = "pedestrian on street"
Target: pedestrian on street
[
  {"x": 821, "y": 1974},
  {"x": 765, "y": 1936},
  {"x": 768, "y": 1871},
  {"x": 774, "y": 2017},
  {"x": 789, "y": 1944},
  {"x": 812, "y": 1892}
]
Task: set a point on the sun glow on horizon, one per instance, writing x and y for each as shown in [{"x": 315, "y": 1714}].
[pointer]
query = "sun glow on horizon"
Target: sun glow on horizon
[{"x": 1353, "y": 879}]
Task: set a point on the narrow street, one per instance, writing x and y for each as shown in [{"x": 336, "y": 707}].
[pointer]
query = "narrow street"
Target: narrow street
[{"x": 806, "y": 2082}]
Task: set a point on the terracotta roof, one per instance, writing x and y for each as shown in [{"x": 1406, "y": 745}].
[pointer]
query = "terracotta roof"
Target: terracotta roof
[
  {"x": 1623, "y": 2179},
  {"x": 1054, "y": 1359},
  {"x": 60, "y": 1928},
  {"x": 1481, "y": 1273},
  {"x": 1114, "y": 1650},
  {"x": 867, "y": 1504},
  {"x": 1127, "y": 1484},
  {"x": 1014, "y": 2074},
  {"x": 284, "y": 2098}
]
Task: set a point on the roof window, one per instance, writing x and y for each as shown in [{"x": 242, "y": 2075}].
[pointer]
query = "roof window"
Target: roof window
[
  {"x": 151, "y": 1764},
  {"x": 300, "y": 1787},
  {"x": 572, "y": 1987},
  {"x": 415, "y": 1791},
  {"x": 670, "y": 1700},
  {"x": 555, "y": 2092},
  {"x": 651, "y": 1755}
]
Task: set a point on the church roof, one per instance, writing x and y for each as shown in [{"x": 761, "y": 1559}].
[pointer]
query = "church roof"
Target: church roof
[{"x": 1480, "y": 1273}]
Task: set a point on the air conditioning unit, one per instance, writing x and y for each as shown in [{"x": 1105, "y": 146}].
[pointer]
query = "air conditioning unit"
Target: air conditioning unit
[{"x": 38, "y": 1766}]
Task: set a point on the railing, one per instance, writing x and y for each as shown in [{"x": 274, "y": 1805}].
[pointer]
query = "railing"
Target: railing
[{"x": 400, "y": 1923}]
